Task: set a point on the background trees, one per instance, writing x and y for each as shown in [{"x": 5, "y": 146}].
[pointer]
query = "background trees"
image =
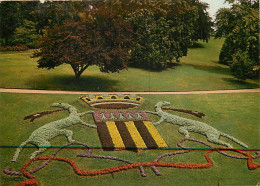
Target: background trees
[
  {"x": 162, "y": 32},
  {"x": 240, "y": 26},
  {"x": 25, "y": 35},
  {"x": 23, "y": 23}
]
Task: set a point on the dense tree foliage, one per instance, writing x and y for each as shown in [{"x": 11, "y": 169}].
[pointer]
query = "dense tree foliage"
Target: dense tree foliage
[
  {"x": 25, "y": 35},
  {"x": 240, "y": 26},
  {"x": 163, "y": 30},
  {"x": 18, "y": 18},
  {"x": 101, "y": 38}
]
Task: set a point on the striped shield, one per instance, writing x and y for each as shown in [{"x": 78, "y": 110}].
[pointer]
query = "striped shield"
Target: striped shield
[{"x": 123, "y": 129}]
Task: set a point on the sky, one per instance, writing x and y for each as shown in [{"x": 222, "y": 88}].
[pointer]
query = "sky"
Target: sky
[{"x": 214, "y": 5}]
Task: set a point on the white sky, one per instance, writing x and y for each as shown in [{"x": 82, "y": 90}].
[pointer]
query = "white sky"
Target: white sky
[{"x": 214, "y": 5}]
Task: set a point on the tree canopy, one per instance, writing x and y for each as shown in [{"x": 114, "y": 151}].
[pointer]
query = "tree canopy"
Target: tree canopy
[
  {"x": 163, "y": 30},
  {"x": 101, "y": 38},
  {"x": 240, "y": 26}
]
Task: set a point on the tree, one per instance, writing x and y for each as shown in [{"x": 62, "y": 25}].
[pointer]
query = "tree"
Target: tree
[
  {"x": 9, "y": 19},
  {"x": 101, "y": 38},
  {"x": 163, "y": 30},
  {"x": 152, "y": 49},
  {"x": 240, "y": 26},
  {"x": 12, "y": 16},
  {"x": 50, "y": 14},
  {"x": 25, "y": 35},
  {"x": 203, "y": 24}
]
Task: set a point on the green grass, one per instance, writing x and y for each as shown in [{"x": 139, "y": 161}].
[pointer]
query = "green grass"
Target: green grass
[
  {"x": 200, "y": 70},
  {"x": 234, "y": 114}
]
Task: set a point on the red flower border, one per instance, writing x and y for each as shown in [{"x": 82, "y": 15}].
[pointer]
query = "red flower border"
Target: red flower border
[{"x": 33, "y": 181}]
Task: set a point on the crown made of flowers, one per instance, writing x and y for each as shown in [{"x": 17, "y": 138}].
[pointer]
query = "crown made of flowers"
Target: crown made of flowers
[{"x": 113, "y": 101}]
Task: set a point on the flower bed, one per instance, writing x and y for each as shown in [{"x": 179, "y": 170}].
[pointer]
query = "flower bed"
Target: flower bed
[
  {"x": 13, "y": 48},
  {"x": 128, "y": 165}
]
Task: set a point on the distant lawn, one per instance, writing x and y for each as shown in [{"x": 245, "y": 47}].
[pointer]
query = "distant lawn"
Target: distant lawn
[
  {"x": 200, "y": 70},
  {"x": 234, "y": 114}
]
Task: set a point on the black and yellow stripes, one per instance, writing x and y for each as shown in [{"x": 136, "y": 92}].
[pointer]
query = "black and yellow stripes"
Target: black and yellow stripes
[{"x": 129, "y": 135}]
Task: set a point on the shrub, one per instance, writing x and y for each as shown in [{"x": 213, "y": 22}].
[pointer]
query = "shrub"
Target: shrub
[
  {"x": 243, "y": 67},
  {"x": 26, "y": 35},
  {"x": 13, "y": 48}
]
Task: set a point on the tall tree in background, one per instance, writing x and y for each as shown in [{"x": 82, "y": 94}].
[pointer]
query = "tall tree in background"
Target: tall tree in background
[
  {"x": 26, "y": 35},
  {"x": 203, "y": 24},
  {"x": 163, "y": 30},
  {"x": 18, "y": 18},
  {"x": 240, "y": 26},
  {"x": 51, "y": 14},
  {"x": 101, "y": 38},
  {"x": 9, "y": 20},
  {"x": 12, "y": 16}
]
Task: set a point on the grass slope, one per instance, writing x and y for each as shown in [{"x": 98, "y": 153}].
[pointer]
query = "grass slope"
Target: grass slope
[
  {"x": 223, "y": 111},
  {"x": 198, "y": 71}
]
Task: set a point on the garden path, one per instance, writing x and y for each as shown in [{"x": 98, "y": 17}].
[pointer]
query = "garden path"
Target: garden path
[{"x": 29, "y": 91}]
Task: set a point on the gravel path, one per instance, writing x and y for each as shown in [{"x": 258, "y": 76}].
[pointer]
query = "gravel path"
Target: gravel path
[{"x": 28, "y": 91}]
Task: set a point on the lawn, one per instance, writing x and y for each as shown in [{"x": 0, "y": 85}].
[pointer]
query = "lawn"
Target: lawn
[
  {"x": 200, "y": 70},
  {"x": 223, "y": 112}
]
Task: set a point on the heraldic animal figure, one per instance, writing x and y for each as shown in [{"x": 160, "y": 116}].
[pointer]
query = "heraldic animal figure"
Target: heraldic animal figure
[
  {"x": 41, "y": 136},
  {"x": 188, "y": 125}
]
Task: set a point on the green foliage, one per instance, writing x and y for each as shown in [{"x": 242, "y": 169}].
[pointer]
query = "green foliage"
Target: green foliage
[
  {"x": 12, "y": 16},
  {"x": 26, "y": 35},
  {"x": 202, "y": 25},
  {"x": 224, "y": 22},
  {"x": 243, "y": 67},
  {"x": 240, "y": 26},
  {"x": 164, "y": 30},
  {"x": 51, "y": 14},
  {"x": 153, "y": 44}
]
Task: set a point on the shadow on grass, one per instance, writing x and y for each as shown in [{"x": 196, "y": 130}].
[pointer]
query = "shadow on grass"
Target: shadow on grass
[
  {"x": 241, "y": 83},
  {"x": 213, "y": 69},
  {"x": 68, "y": 82},
  {"x": 170, "y": 65},
  {"x": 197, "y": 45}
]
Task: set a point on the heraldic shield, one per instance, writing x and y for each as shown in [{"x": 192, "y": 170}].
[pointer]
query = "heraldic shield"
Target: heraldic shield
[{"x": 127, "y": 129}]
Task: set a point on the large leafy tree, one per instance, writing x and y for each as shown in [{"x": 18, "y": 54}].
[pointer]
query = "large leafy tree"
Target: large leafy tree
[
  {"x": 240, "y": 26},
  {"x": 101, "y": 38},
  {"x": 202, "y": 26},
  {"x": 163, "y": 29}
]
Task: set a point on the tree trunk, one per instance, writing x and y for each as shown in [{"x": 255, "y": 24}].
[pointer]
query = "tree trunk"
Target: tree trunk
[
  {"x": 77, "y": 77},
  {"x": 78, "y": 70}
]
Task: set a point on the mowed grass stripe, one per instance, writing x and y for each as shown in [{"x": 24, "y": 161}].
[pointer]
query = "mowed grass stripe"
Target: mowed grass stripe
[
  {"x": 125, "y": 134},
  {"x": 139, "y": 142},
  {"x": 155, "y": 134},
  {"x": 114, "y": 133},
  {"x": 147, "y": 137}
]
